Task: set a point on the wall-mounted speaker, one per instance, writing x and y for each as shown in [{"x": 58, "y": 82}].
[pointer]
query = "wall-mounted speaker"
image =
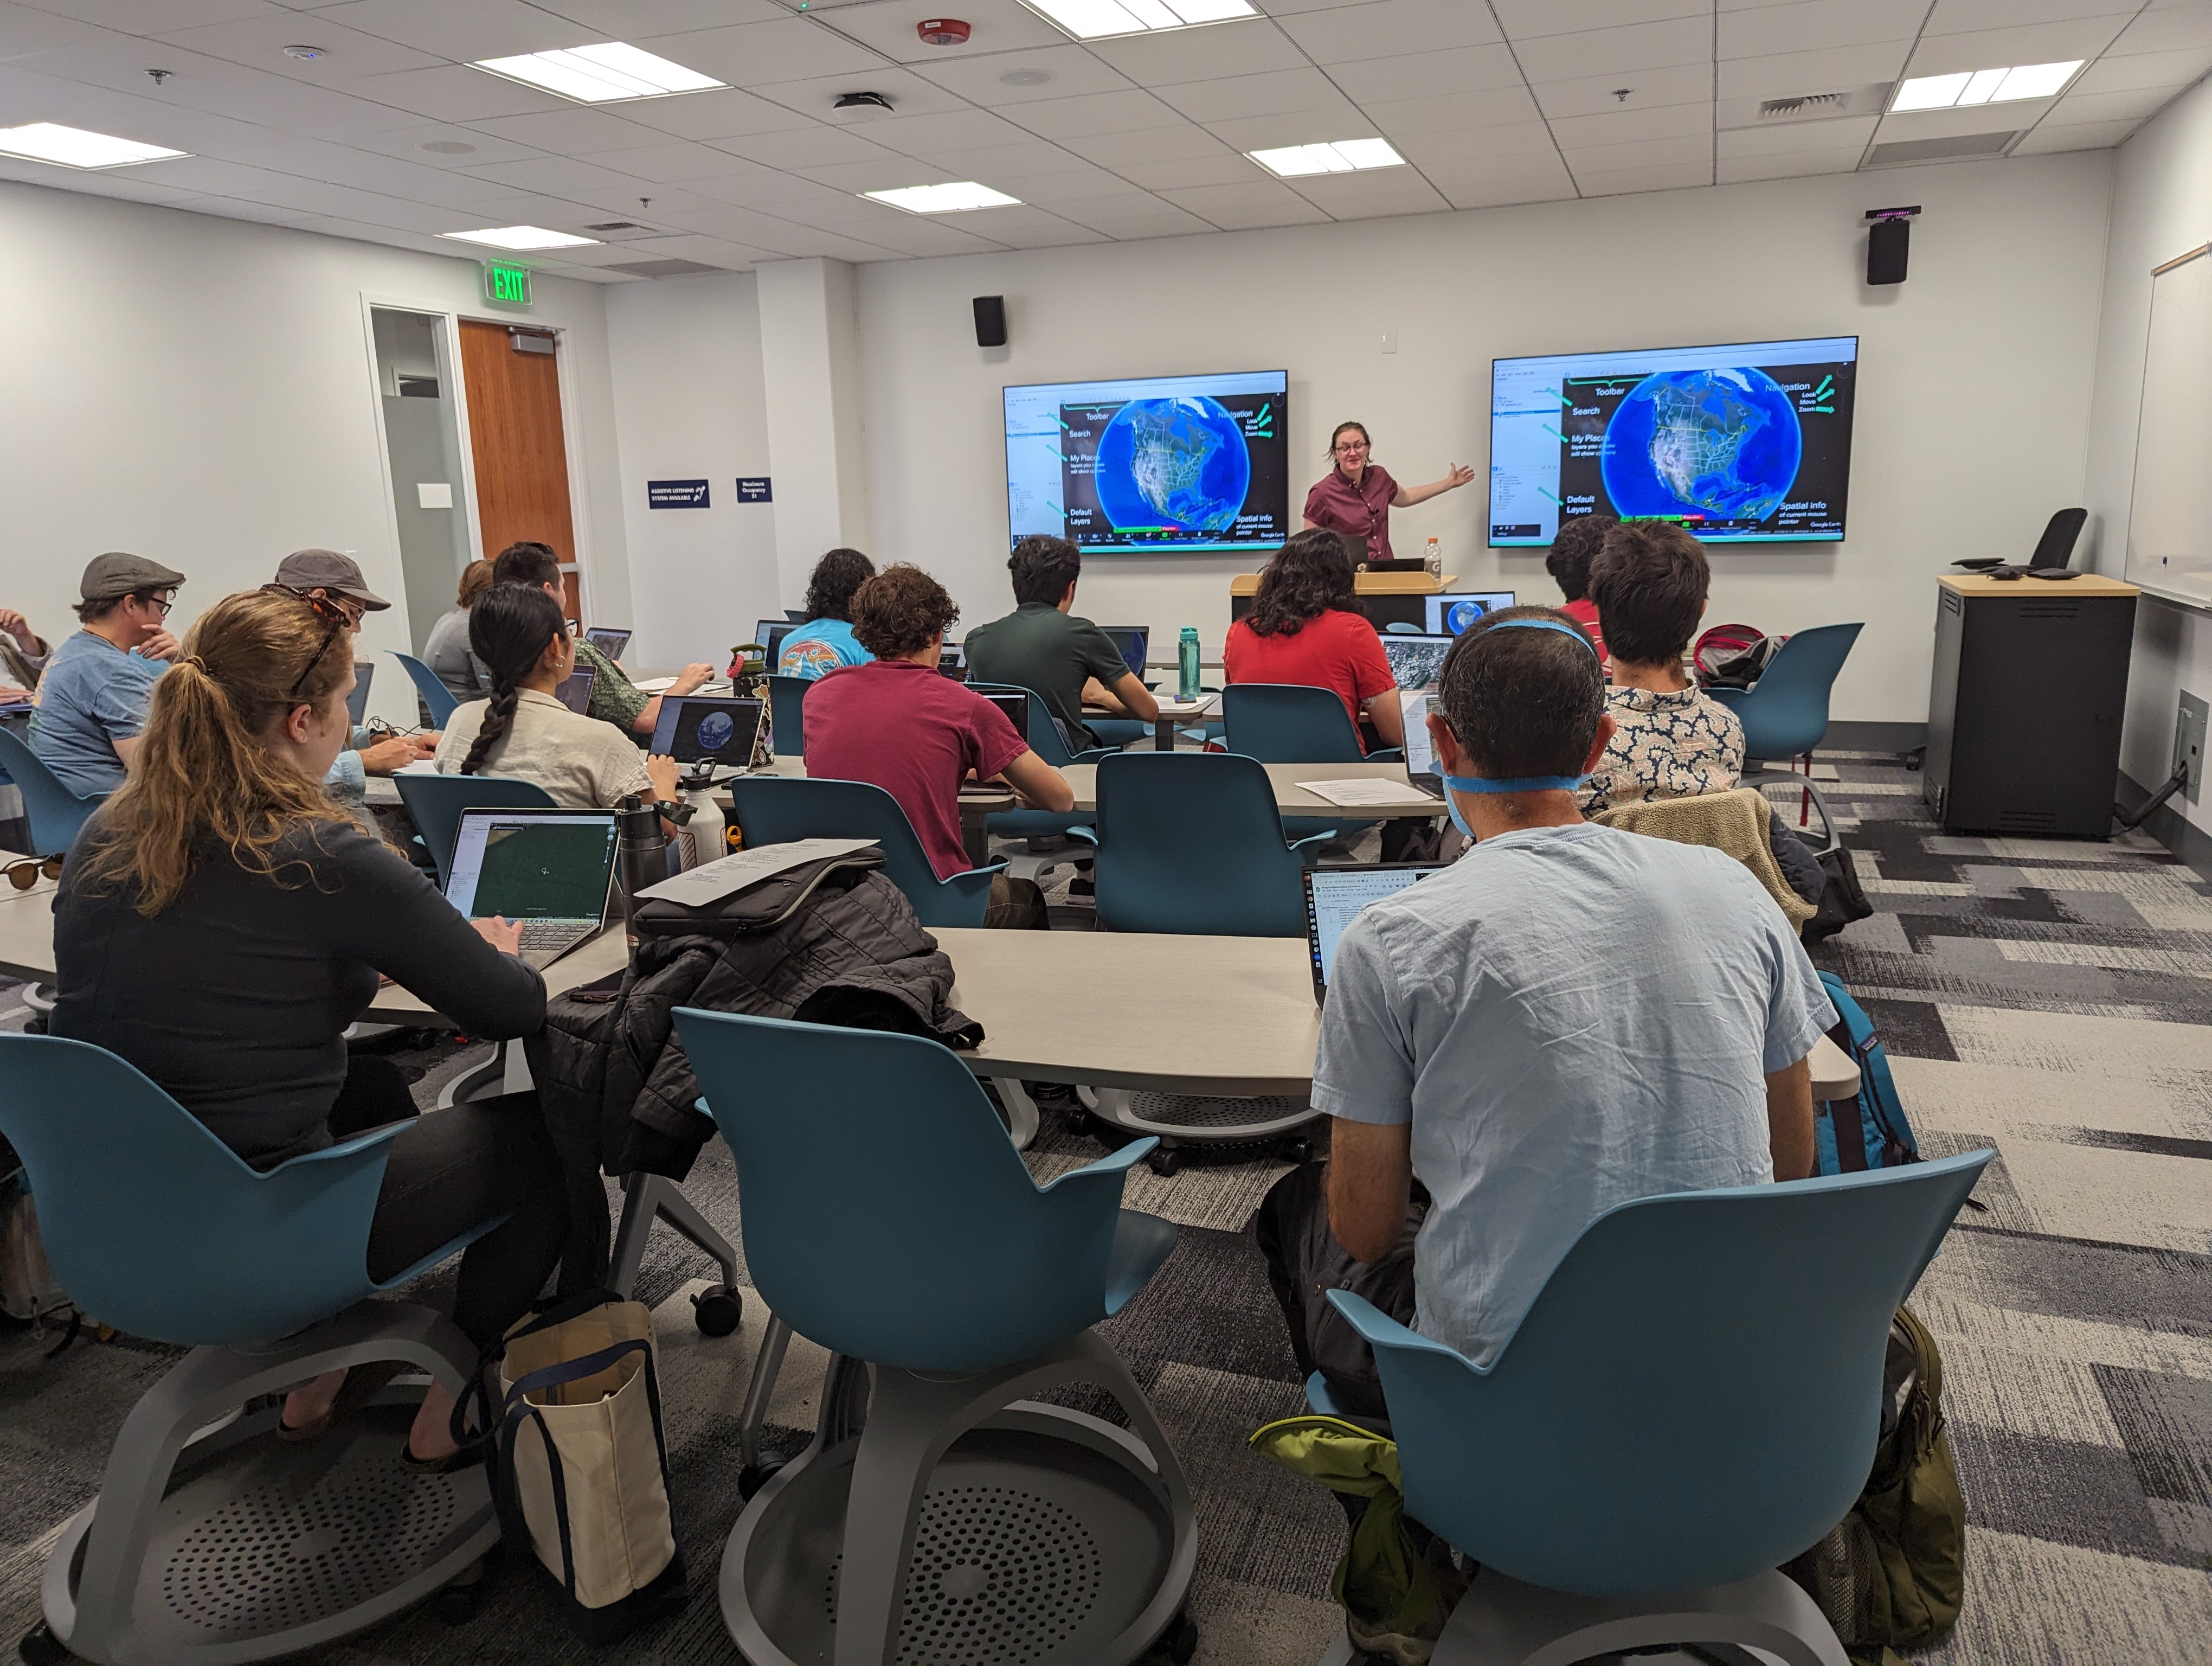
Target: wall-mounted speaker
[
  {"x": 1889, "y": 236},
  {"x": 990, "y": 321}
]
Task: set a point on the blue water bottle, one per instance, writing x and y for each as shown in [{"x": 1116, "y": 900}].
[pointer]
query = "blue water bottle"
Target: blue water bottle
[{"x": 1187, "y": 664}]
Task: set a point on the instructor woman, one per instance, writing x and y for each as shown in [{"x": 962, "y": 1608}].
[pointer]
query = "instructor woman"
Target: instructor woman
[{"x": 1356, "y": 496}]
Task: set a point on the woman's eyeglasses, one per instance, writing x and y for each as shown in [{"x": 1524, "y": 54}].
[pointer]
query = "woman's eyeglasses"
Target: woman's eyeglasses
[
  {"x": 338, "y": 620},
  {"x": 25, "y": 874},
  {"x": 1352, "y": 444}
]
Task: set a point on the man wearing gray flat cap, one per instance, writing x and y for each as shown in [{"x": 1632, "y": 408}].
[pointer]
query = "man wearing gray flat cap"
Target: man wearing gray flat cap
[{"x": 93, "y": 699}]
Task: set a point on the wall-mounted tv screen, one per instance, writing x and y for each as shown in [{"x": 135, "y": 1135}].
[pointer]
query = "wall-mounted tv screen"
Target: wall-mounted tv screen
[
  {"x": 1163, "y": 463},
  {"x": 1747, "y": 443}
]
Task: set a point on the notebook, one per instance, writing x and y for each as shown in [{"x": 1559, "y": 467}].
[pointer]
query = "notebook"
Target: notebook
[
  {"x": 553, "y": 871},
  {"x": 1335, "y": 897}
]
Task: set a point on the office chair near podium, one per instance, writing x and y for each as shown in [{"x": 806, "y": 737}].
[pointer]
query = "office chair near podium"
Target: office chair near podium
[{"x": 1785, "y": 714}]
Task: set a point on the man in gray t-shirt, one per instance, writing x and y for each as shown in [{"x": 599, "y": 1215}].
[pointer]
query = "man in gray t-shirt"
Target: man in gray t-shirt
[{"x": 1568, "y": 1018}]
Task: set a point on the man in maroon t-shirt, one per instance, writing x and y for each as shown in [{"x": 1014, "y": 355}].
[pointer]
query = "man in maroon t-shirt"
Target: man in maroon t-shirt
[{"x": 898, "y": 723}]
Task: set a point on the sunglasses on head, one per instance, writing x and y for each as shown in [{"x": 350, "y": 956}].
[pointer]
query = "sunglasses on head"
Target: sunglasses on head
[
  {"x": 24, "y": 873},
  {"x": 336, "y": 617}
]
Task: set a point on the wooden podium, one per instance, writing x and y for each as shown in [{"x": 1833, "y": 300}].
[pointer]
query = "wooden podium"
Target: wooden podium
[{"x": 1384, "y": 598}]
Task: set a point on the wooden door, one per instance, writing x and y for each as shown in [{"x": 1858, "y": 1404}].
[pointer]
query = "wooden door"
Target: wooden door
[{"x": 515, "y": 438}]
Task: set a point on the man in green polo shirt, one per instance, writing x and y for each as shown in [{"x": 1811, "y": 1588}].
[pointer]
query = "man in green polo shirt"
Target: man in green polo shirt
[{"x": 1043, "y": 647}]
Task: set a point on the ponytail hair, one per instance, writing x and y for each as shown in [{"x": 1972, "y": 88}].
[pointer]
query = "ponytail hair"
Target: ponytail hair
[
  {"x": 508, "y": 628},
  {"x": 203, "y": 769}
]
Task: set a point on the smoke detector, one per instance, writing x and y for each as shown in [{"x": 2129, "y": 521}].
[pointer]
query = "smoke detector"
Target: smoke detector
[
  {"x": 942, "y": 32},
  {"x": 305, "y": 54}
]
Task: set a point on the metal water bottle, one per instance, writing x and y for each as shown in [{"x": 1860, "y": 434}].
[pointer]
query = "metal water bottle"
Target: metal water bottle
[
  {"x": 1187, "y": 664},
  {"x": 644, "y": 855}
]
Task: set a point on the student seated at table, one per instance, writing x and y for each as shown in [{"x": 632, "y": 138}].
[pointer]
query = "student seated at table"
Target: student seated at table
[
  {"x": 1670, "y": 738},
  {"x": 446, "y": 650},
  {"x": 524, "y": 730},
  {"x": 92, "y": 700},
  {"x": 826, "y": 641},
  {"x": 219, "y": 927},
  {"x": 1568, "y": 561},
  {"x": 615, "y": 698},
  {"x": 895, "y": 723},
  {"x": 23, "y": 655},
  {"x": 1305, "y": 627},
  {"x": 1567, "y": 1017},
  {"x": 1044, "y": 646}
]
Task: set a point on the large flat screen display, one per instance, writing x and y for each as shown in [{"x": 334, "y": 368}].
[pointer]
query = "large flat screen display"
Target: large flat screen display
[
  {"x": 1746, "y": 443},
  {"x": 1162, "y": 463}
]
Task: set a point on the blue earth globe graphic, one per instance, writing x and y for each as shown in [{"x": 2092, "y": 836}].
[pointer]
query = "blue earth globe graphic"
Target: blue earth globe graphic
[
  {"x": 1179, "y": 464},
  {"x": 714, "y": 731},
  {"x": 1721, "y": 443}
]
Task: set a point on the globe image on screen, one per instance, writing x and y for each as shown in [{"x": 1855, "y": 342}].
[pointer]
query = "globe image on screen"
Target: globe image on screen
[
  {"x": 1177, "y": 464},
  {"x": 1724, "y": 444},
  {"x": 1461, "y": 614},
  {"x": 715, "y": 730}
]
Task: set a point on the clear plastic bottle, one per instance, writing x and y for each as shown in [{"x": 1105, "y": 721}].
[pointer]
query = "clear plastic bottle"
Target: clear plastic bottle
[
  {"x": 1436, "y": 560},
  {"x": 1187, "y": 664}
]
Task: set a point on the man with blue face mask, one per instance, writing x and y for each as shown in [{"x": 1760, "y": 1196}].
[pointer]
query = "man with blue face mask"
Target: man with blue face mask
[{"x": 1567, "y": 1017}]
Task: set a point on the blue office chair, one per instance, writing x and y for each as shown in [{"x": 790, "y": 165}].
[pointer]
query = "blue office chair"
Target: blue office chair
[
  {"x": 441, "y": 700},
  {"x": 894, "y": 1224},
  {"x": 771, "y": 810},
  {"x": 1693, "y": 1399},
  {"x": 1191, "y": 842},
  {"x": 1292, "y": 723},
  {"x": 787, "y": 714},
  {"x": 1049, "y": 743},
  {"x": 436, "y": 802},
  {"x": 1785, "y": 714},
  {"x": 157, "y": 1227},
  {"x": 54, "y": 812}
]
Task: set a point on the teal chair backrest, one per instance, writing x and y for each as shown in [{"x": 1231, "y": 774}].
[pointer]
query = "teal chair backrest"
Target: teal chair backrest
[
  {"x": 1785, "y": 714},
  {"x": 1191, "y": 842},
  {"x": 436, "y": 696},
  {"x": 886, "y": 1214},
  {"x": 773, "y": 810},
  {"x": 157, "y": 1227},
  {"x": 1695, "y": 1395},
  {"x": 435, "y": 802},
  {"x": 1288, "y": 723},
  {"x": 787, "y": 713},
  {"x": 55, "y": 813}
]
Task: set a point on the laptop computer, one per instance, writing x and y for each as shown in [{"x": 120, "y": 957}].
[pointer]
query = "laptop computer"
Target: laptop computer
[
  {"x": 357, "y": 702},
  {"x": 1451, "y": 611},
  {"x": 706, "y": 732},
  {"x": 1415, "y": 705},
  {"x": 769, "y": 633},
  {"x": 1335, "y": 895},
  {"x": 553, "y": 871},
  {"x": 952, "y": 661},
  {"x": 1134, "y": 641},
  {"x": 1415, "y": 661},
  {"x": 609, "y": 640},
  {"x": 575, "y": 690},
  {"x": 1016, "y": 707}
]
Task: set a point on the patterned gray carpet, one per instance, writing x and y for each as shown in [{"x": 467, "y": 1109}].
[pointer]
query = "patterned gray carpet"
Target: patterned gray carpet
[{"x": 2048, "y": 998}]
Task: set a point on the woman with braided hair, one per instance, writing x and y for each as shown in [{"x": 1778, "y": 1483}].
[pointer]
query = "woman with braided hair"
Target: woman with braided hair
[{"x": 523, "y": 730}]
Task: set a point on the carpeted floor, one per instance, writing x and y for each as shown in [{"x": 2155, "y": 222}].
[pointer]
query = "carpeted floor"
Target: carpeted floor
[{"x": 2053, "y": 999}]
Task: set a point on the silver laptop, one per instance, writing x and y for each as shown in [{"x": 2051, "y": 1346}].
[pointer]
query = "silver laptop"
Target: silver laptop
[
  {"x": 1416, "y": 662},
  {"x": 552, "y": 871},
  {"x": 1335, "y": 897}
]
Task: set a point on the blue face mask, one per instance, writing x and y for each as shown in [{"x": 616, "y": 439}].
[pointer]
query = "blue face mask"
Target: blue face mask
[{"x": 1512, "y": 783}]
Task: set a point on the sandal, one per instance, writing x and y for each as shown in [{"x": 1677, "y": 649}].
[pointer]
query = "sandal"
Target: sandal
[
  {"x": 464, "y": 1457},
  {"x": 362, "y": 1384}
]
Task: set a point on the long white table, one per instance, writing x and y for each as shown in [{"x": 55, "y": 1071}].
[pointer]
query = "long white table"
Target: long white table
[{"x": 1292, "y": 799}]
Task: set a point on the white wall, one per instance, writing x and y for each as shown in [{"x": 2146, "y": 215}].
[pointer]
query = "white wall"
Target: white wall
[
  {"x": 202, "y": 391},
  {"x": 1973, "y": 391},
  {"x": 686, "y": 356},
  {"x": 2161, "y": 207}
]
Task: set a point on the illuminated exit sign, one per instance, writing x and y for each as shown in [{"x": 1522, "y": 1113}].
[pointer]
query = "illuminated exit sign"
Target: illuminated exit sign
[{"x": 507, "y": 284}]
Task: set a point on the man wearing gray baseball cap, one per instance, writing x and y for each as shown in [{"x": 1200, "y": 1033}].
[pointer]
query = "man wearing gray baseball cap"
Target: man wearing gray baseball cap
[{"x": 93, "y": 699}]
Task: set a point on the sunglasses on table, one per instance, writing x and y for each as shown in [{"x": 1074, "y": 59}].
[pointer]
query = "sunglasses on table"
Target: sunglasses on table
[{"x": 24, "y": 873}]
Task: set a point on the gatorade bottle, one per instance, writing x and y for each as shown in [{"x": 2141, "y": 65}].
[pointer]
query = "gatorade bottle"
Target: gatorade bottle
[{"x": 1187, "y": 664}]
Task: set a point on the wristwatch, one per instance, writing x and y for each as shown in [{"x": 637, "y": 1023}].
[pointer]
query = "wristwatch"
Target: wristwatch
[{"x": 672, "y": 811}]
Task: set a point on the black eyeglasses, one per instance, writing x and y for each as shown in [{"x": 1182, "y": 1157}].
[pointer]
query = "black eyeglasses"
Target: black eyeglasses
[{"x": 338, "y": 618}]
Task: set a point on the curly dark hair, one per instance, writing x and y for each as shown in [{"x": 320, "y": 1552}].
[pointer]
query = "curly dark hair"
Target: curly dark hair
[
  {"x": 1311, "y": 574},
  {"x": 899, "y": 610},
  {"x": 1573, "y": 550},
  {"x": 836, "y": 576}
]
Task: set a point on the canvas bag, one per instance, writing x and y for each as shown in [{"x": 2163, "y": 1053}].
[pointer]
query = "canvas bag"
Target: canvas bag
[
  {"x": 28, "y": 1284},
  {"x": 581, "y": 1462}
]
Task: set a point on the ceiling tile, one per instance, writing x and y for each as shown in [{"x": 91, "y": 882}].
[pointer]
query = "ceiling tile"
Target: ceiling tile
[
  {"x": 1685, "y": 83},
  {"x": 456, "y": 94},
  {"x": 145, "y": 16},
  {"x": 2158, "y": 30},
  {"x": 2079, "y": 107},
  {"x": 1292, "y": 127},
  {"x": 1390, "y": 28},
  {"x": 116, "y": 63},
  {"x": 1525, "y": 179},
  {"x": 481, "y": 28},
  {"x": 891, "y": 172},
  {"x": 1526, "y": 20},
  {"x": 1165, "y": 143},
  {"x": 951, "y": 129},
  {"x": 666, "y": 164},
  {"x": 1050, "y": 232},
  {"x": 1428, "y": 151},
  {"x": 930, "y": 237},
  {"x": 1956, "y": 16},
  {"x": 1173, "y": 56},
  {"x": 1990, "y": 49},
  {"x": 2089, "y": 135},
  {"x": 1366, "y": 196},
  {"x": 573, "y": 131},
  {"x": 640, "y": 20},
  {"x": 889, "y": 28},
  {"x": 1832, "y": 70},
  {"x": 726, "y": 114},
  {"x": 818, "y": 146},
  {"x": 259, "y": 42},
  {"x": 1961, "y": 124},
  {"x": 1029, "y": 159},
  {"x": 1257, "y": 194},
  {"x": 1163, "y": 219},
  {"x": 1226, "y": 169},
  {"x": 2116, "y": 73},
  {"x": 1809, "y": 25},
  {"x": 1586, "y": 159},
  {"x": 1640, "y": 47},
  {"x": 562, "y": 176},
  {"x": 1673, "y": 176},
  {"x": 1095, "y": 113},
  {"x": 1070, "y": 71},
  {"x": 1426, "y": 75},
  {"x": 817, "y": 96},
  {"x": 755, "y": 54},
  {"x": 1846, "y": 133},
  {"x": 1665, "y": 121},
  {"x": 406, "y": 143},
  {"x": 1788, "y": 165},
  {"x": 1452, "y": 112},
  {"x": 1283, "y": 90}
]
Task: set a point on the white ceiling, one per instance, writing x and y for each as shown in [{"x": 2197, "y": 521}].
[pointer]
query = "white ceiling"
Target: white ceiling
[{"x": 1507, "y": 101}]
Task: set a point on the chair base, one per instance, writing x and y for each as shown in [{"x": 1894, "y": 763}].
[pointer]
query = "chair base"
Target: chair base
[
  {"x": 965, "y": 1522},
  {"x": 1763, "y": 775},
  {"x": 1177, "y": 1120},
  {"x": 1503, "y": 1622},
  {"x": 212, "y": 1544}
]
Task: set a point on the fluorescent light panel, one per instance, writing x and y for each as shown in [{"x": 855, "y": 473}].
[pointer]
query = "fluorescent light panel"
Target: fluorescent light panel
[
  {"x": 1097, "y": 20},
  {"x": 943, "y": 199},
  {"x": 600, "y": 75},
  {"x": 1966, "y": 88},
  {"x": 519, "y": 237},
  {"x": 73, "y": 147},
  {"x": 1344, "y": 157}
]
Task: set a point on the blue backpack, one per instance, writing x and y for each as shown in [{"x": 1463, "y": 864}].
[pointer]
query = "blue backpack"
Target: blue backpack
[{"x": 1870, "y": 1132}]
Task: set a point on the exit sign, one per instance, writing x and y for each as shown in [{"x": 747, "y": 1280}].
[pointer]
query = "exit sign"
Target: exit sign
[{"x": 505, "y": 283}]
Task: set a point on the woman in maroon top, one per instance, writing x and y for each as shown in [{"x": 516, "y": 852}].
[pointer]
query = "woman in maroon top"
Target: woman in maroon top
[
  {"x": 1305, "y": 627},
  {"x": 1356, "y": 496}
]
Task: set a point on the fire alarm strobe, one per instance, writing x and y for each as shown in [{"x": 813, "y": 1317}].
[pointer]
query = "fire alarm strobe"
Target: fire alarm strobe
[{"x": 943, "y": 32}]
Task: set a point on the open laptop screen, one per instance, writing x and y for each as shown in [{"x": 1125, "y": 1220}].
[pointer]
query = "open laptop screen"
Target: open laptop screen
[
  {"x": 1415, "y": 661},
  {"x": 609, "y": 640},
  {"x": 575, "y": 690},
  {"x": 357, "y": 702},
  {"x": 1017, "y": 709},
  {"x": 697, "y": 729},
  {"x": 769, "y": 633},
  {"x": 1335, "y": 897},
  {"x": 1452, "y": 611},
  {"x": 1416, "y": 704},
  {"x": 533, "y": 864},
  {"x": 1134, "y": 641}
]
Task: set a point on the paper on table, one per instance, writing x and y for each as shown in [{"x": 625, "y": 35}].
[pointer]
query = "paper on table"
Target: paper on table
[
  {"x": 725, "y": 876},
  {"x": 655, "y": 685},
  {"x": 1365, "y": 789}
]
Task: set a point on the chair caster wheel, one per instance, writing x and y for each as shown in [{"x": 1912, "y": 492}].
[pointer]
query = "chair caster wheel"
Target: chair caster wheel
[
  {"x": 754, "y": 1476},
  {"x": 457, "y": 1605},
  {"x": 1180, "y": 1642},
  {"x": 36, "y": 1026},
  {"x": 1297, "y": 1149},
  {"x": 718, "y": 1312},
  {"x": 40, "y": 1647},
  {"x": 1165, "y": 1160}
]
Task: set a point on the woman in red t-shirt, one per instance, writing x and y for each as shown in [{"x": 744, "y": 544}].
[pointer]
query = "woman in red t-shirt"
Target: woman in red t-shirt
[
  {"x": 1305, "y": 627},
  {"x": 1573, "y": 548}
]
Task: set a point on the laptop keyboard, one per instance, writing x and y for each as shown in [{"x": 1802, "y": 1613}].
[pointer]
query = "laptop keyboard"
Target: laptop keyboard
[{"x": 541, "y": 934}]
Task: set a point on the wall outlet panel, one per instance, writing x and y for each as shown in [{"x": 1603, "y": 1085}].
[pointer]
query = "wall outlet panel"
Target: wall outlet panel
[{"x": 2189, "y": 742}]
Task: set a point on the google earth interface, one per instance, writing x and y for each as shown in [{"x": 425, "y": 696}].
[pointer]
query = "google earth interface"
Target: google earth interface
[
  {"x": 1745, "y": 443},
  {"x": 1164, "y": 463}
]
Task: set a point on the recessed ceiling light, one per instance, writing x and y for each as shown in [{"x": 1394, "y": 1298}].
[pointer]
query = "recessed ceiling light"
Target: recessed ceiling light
[
  {"x": 1094, "y": 20},
  {"x": 72, "y": 147},
  {"x": 1951, "y": 92},
  {"x": 943, "y": 199},
  {"x": 519, "y": 237},
  {"x": 1345, "y": 156},
  {"x": 601, "y": 74}
]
